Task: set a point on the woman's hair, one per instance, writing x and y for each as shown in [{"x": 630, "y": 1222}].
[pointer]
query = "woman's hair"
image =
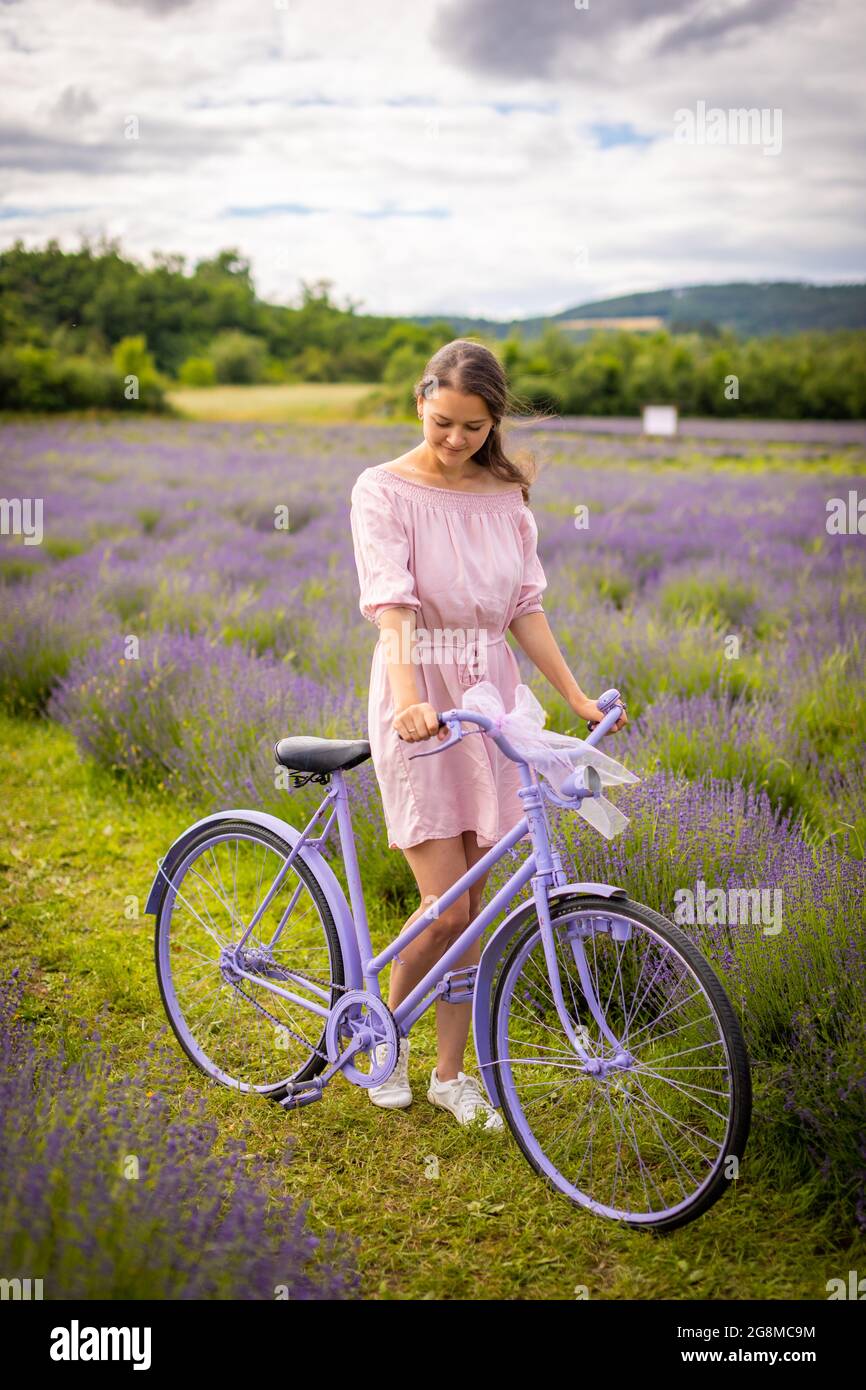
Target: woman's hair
[{"x": 470, "y": 367}]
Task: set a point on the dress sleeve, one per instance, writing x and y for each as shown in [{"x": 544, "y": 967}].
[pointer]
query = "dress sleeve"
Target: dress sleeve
[
  {"x": 534, "y": 579},
  {"x": 381, "y": 553}
]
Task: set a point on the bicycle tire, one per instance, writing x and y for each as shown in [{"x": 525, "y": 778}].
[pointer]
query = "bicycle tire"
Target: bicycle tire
[
  {"x": 740, "y": 1075},
  {"x": 256, "y": 832}
]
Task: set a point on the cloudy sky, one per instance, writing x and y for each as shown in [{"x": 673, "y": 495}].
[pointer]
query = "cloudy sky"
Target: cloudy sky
[{"x": 498, "y": 157}]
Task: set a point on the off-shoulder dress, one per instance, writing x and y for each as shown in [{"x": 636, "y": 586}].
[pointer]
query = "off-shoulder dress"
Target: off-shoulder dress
[{"x": 467, "y": 563}]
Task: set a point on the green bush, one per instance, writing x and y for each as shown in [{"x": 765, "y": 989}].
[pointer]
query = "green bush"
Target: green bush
[
  {"x": 140, "y": 379},
  {"x": 238, "y": 358},
  {"x": 38, "y": 378},
  {"x": 539, "y": 393},
  {"x": 197, "y": 371}
]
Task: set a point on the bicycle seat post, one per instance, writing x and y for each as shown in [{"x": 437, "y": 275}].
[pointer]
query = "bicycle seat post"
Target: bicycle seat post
[{"x": 349, "y": 855}]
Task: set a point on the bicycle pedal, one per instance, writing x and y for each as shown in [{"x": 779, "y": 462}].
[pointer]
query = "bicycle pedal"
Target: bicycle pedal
[
  {"x": 458, "y": 986},
  {"x": 302, "y": 1096}
]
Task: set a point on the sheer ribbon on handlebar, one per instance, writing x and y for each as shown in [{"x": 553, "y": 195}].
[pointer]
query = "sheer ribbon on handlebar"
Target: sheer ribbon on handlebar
[{"x": 554, "y": 755}]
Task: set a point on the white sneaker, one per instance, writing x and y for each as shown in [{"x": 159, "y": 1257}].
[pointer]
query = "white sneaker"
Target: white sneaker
[
  {"x": 463, "y": 1097},
  {"x": 395, "y": 1093}
]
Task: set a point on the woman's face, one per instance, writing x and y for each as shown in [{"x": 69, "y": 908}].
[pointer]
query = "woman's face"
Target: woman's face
[{"x": 455, "y": 424}]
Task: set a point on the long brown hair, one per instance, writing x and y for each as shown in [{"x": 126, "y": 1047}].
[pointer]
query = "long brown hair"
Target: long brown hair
[{"x": 470, "y": 367}]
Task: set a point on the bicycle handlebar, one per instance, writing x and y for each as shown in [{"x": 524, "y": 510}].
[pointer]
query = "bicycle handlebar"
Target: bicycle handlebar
[{"x": 608, "y": 703}]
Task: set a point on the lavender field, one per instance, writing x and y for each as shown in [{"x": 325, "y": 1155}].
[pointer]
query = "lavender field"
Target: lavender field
[{"x": 194, "y": 597}]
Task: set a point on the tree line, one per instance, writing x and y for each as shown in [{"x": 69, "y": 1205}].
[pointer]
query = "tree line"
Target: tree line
[{"x": 93, "y": 328}]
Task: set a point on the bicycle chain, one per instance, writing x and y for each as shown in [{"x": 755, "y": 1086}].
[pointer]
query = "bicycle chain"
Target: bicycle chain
[{"x": 279, "y": 1022}]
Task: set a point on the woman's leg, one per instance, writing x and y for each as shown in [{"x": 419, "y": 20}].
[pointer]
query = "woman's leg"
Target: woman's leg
[
  {"x": 436, "y": 865},
  {"x": 453, "y": 1021}
]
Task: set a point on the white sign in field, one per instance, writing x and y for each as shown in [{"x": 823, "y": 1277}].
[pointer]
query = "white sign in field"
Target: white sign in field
[{"x": 659, "y": 419}]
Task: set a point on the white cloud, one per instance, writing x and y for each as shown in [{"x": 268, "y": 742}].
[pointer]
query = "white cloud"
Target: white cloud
[{"x": 348, "y": 109}]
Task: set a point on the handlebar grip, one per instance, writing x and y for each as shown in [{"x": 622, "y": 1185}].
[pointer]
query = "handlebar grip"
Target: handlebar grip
[{"x": 605, "y": 703}]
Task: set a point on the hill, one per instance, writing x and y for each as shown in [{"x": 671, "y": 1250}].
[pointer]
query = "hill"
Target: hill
[{"x": 750, "y": 308}]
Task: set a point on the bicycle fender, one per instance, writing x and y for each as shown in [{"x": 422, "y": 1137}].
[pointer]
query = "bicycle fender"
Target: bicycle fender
[
  {"x": 328, "y": 880},
  {"x": 491, "y": 957}
]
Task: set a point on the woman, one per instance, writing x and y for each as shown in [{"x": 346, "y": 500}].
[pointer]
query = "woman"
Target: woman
[{"x": 445, "y": 546}]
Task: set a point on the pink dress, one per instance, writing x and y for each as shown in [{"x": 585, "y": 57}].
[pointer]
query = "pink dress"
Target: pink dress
[{"x": 467, "y": 563}]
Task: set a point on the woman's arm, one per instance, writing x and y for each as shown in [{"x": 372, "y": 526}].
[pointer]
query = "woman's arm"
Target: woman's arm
[
  {"x": 532, "y": 631},
  {"x": 414, "y": 717},
  {"x": 397, "y": 634}
]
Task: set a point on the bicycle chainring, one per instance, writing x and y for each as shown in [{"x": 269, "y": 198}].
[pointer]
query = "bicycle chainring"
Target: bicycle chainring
[{"x": 361, "y": 1015}]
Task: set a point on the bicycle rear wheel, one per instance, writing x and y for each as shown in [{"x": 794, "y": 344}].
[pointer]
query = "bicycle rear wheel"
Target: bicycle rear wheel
[
  {"x": 646, "y": 1134},
  {"x": 234, "y": 1028}
]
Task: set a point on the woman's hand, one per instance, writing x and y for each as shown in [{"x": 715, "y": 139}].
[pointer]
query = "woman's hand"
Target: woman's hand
[
  {"x": 417, "y": 722},
  {"x": 588, "y": 709}
]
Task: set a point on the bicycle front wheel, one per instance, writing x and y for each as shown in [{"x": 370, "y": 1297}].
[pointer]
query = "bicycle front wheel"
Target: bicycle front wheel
[{"x": 651, "y": 1131}]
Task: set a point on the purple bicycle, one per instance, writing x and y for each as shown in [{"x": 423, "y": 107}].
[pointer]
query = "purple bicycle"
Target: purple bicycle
[{"x": 601, "y": 1031}]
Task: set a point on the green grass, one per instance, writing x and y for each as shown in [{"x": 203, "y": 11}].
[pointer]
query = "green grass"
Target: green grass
[
  {"x": 634, "y": 454},
  {"x": 80, "y": 848},
  {"x": 300, "y": 402}
]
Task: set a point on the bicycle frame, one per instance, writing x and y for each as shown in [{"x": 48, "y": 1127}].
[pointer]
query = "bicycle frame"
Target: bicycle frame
[{"x": 542, "y": 867}]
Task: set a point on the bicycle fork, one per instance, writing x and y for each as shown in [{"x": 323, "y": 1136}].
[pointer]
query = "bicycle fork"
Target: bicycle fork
[
  {"x": 576, "y": 936},
  {"x": 549, "y": 873}
]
